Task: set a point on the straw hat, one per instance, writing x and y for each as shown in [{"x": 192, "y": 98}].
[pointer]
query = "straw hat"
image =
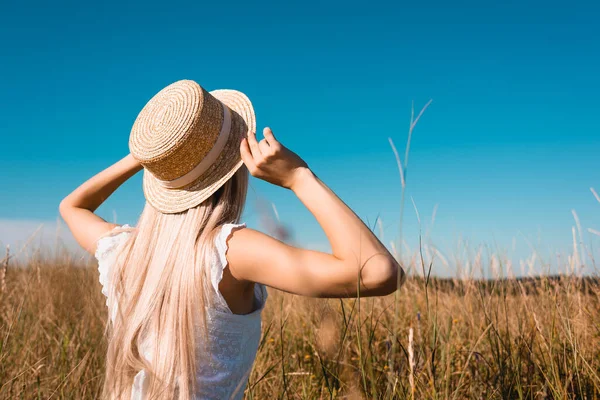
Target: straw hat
[{"x": 188, "y": 141}]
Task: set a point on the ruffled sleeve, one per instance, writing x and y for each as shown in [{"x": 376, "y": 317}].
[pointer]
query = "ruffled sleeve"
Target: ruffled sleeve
[
  {"x": 106, "y": 254},
  {"x": 221, "y": 245}
]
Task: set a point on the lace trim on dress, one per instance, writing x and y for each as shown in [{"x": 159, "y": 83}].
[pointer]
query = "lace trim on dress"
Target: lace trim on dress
[
  {"x": 217, "y": 268},
  {"x": 106, "y": 254}
]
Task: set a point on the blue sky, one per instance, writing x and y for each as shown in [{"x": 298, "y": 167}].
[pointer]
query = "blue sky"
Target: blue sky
[{"x": 507, "y": 149}]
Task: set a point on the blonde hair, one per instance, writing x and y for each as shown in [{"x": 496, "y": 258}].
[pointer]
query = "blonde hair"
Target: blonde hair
[{"x": 159, "y": 282}]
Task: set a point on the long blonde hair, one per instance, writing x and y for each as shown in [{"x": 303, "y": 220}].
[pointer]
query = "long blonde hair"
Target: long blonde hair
[{"x": 159, "y": 284}]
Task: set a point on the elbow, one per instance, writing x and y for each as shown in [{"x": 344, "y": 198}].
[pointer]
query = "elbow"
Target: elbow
[
  {"x": 64, "y": 207},
  {"x": 392, "y": 277}
]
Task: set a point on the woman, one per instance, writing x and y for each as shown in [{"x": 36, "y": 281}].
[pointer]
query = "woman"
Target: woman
[{"x": 185, "y": 288}]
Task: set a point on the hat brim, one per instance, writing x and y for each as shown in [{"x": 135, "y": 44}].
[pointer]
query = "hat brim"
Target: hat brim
[{"x": 170, "y": 201}]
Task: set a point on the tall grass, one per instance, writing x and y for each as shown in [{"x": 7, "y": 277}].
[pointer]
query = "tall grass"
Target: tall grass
[
  {"x": 506, "y": 338},
  {"x": 502, "y": 338}
]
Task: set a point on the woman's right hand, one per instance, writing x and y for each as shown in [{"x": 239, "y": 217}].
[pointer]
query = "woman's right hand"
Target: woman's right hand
[
  {"x": 271, "y": 161},
  {"x": 359, "y": 264}
]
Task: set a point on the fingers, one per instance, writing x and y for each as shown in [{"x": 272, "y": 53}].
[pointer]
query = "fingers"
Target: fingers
[
  {"x": 270, "y": 138},
  {"x": 253, "y": 145},
  {"x": 247, "y": 155},
  {"x": 256, "y": 154},
  {"x": 264, "y": 147}
]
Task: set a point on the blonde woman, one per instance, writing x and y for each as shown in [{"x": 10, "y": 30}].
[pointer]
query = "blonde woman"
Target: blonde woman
[{"x": 186, "y": 287}]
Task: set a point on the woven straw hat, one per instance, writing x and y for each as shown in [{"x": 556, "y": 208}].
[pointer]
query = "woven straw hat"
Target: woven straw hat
[{"x": 187, "y": 140}]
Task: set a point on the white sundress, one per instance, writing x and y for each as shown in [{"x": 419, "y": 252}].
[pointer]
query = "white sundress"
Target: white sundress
[{"x": 234, "y": 338}]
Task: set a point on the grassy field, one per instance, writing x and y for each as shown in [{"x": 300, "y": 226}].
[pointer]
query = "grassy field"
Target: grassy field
[{"x": 503, "y": 339}]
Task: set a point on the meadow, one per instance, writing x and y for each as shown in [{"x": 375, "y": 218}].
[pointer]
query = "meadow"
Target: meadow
[
  {"x": 534, "y": 338},
  {"x": 524, "y": 335}
]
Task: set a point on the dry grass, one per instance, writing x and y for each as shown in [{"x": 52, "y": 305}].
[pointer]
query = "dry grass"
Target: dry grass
[
  {"x": 501, "y": 339},
  {"x": 536, "y": 338}
]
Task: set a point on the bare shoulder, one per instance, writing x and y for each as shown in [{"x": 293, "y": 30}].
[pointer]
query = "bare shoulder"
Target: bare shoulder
[
  {"x": 250, "y": 251},
  {"x": 246, "y": 242}
]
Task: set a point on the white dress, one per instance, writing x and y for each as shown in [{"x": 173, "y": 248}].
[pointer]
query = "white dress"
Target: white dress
[{"x": 234, "y": 338}]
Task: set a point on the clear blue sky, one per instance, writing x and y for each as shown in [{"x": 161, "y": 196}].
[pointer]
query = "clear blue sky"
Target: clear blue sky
[{"x": 509, "y": 146}]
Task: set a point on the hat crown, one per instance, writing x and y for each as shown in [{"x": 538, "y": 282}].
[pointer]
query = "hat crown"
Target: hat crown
[{"x": 176, "y": 129}]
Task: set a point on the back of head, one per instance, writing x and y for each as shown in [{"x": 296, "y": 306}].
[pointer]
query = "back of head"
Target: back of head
[
  {"x": 187, "y": 139},
  {"x": 159, "y": 283}
]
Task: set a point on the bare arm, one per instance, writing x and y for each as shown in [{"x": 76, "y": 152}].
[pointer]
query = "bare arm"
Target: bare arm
[
  {"x": 77, "y": 209},
  {"x": 357, "y": 254}
]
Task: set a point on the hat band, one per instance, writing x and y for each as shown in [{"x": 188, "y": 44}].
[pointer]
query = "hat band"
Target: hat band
[{"x": 208, "y": 160}]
